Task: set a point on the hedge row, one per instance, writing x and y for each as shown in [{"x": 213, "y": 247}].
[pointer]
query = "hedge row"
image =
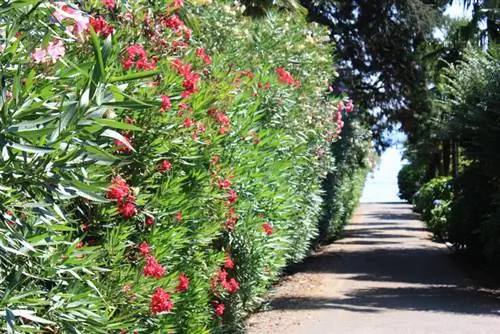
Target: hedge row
[
  {"x": 464, "y": 209},
  {"x": 161, "y": 162}
]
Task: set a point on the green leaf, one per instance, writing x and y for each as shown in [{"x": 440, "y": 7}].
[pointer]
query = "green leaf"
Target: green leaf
[
  {"x": 115, "y": 135},
  {"x": 134, "y": 76},
  {"x": 30, "y": 148},
  {"x": 117, "y": 125},
  {"x": 10, "y": 321},
  {"x": 30, "y": 315}
]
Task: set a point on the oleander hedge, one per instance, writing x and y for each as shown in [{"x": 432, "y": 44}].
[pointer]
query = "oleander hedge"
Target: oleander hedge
[{"x": 161, "y": 162}]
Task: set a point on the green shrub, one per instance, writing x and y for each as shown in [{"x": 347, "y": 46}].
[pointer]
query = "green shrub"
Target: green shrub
[
  {"x": 152, "y": 180},
  {"x": 409, "y": 181},
  {"x": 439, "y": 216},
  {"x": 429, "y": 195},
  {"x": 344, "y": 184}
]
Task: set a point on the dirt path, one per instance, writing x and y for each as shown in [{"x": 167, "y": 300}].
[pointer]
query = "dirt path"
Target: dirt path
[{"x": 386, "y": 277}]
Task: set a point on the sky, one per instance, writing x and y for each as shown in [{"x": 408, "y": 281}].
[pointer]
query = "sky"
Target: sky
[{"x": 457, "y": 10}]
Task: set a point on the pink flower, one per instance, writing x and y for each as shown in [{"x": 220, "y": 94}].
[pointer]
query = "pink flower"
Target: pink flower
[
  {"x": 178, "y": 216},
  {"x": 176, "y": 4},
  {"x": 144, "y": 248},
  {"x": 218, "y": 308},
  {"x": 188, "y": 122},
  {"x": 165, "y": 166},
  {"x": 101, "y": 27},
  {"x": 160, "y": 302},
  {"x": 165, "y": 103},
  {"x": 39, "y": 55},
  {"x": 228, "y": 263},
  {"x": 153, "y": 268},
  {"x": 110, "y": 4},
  {"x": 349, "y": 107},
  {"x": 56, "y": 50},
  {"x": 224, "y": 184},
  {"x": 149, "y": 221},
  {"x": 200, "y": 53},
  {"x": 232, "y": 196}
]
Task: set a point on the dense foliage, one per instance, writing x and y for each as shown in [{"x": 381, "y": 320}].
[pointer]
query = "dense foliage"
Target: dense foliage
[
  {"x": 161, "y": 163},
  {"x": 468, "y": 102}
]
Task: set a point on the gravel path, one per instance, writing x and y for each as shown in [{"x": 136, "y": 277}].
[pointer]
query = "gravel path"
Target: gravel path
[{"x": 386, "y": 276}]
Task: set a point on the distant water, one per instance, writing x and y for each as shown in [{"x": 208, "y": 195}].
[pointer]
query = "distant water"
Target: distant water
[{"x": 382, "y": 184}]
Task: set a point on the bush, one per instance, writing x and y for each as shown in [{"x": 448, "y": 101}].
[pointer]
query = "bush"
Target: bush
[
  {"x": 409, "y": 181},
  {"x": 430, "y": 195},
  {"x": 344, "y": 184},
  {"x": 438, "y": 222},
  {"x": 155, "y": 179}
]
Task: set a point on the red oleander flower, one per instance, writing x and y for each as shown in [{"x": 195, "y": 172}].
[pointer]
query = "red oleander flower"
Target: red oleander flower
[
  {"x": 228, "y": 263},
  {"x": 80, "y": 244},
  {"x": 232, "y": 196},
  {"x": 286, "y": 78},
  {"x": 136, "y": 52},
  {"x": 218, "y": 308},
  {"x": 165, "y": 103},
  {"x": 173, "y": 22},
  {"x": 153, "y": 268},
  {"x": 101, "y": 27},
  {"x": 150, "y": 221},
  {"x": 201, "y": 54},
  {"x": 188, "y": 122},
  {"x": 127, "y": 209},
  {"x": 224, "y": 184},
  {"x": 340, "y": 106},
  {"x": 183, "y": 283},
  {"x": 119, "y": 190},
  {"x": 110, "y": 4},
  {"x": 349, "y": 107},
  {"x": 160, "y": 302},
  {"x": 144, "y": 248},
  {"x": 145, "y": 65},
  {"x": 165, "y": 166},
  {"x": 178, "y": 216},
  {"x": 230, "y": 286},
  {"x": 267, "y": 228}
]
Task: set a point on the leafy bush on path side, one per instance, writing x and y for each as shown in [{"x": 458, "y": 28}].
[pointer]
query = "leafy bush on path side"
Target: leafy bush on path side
[{"x": 152, "y": 181}]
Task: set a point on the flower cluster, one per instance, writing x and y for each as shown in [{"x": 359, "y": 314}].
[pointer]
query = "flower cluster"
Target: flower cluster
[
  {"x": 286, "y": 78},
  {"x": 200, "y": 53},
  {"x": 267, "y": 228},
  {"x": 191, "y": 79},
  {"x": 120, "y": 191},
  {"x": 137, "y": 57},
  {"x": 230, "y": 285},
  {"x": 183, "y": 283},
  {"x": 51, "y": 53},
  {"x": 101, "y": 26},
  {"x": 222, "y": 119},
  {"x": 160, "y": 302},
  {"x": 153, "y": 268}
]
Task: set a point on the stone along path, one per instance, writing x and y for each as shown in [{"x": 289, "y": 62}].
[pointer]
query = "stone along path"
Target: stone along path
[{"x": 386, "y": 276}]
